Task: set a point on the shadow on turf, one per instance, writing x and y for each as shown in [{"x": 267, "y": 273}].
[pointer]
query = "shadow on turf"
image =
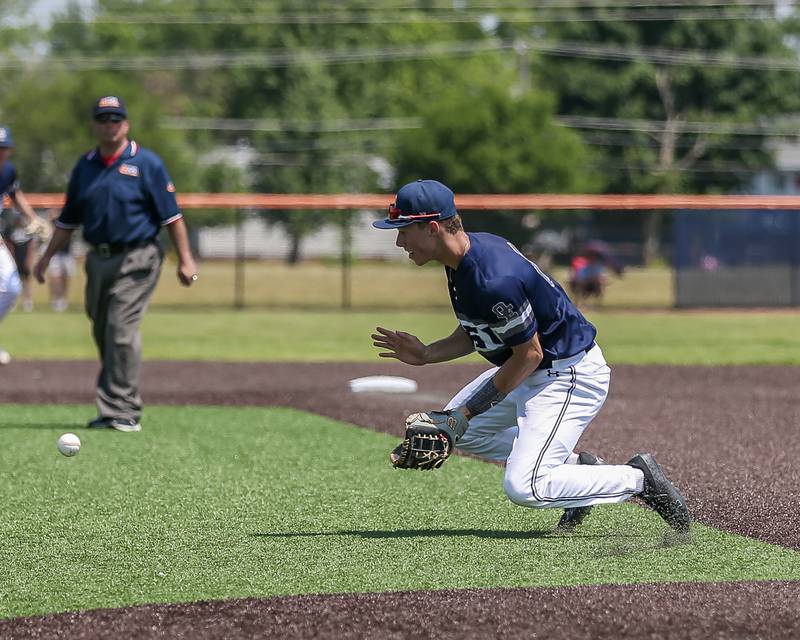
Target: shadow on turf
[
  {"x": 431, "y": 533},
  {"x": 69, "y": 426}
]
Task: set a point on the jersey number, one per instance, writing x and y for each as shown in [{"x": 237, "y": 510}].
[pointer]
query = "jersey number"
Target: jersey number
[{"x": 482, "y": 337}]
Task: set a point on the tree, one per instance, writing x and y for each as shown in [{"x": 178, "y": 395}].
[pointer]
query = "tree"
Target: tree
[
  {"x": 49, "y": 111},
  {"x": 487, "y": 140},
  {"x": 677, "y": 157}
]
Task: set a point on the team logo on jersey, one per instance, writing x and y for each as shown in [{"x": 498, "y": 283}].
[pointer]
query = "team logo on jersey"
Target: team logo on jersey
[
  {"x": 504, "y": 310},
  {"x": 108, "y": 101},
  {"x": 129, "y": 170},
  {"x": 170, "y": 187}
]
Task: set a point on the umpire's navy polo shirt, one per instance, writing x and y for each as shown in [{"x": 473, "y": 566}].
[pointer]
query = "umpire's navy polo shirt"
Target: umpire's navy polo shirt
[
  {"x": 125, "y": 202},
  {"x": 8, "y": 180}
]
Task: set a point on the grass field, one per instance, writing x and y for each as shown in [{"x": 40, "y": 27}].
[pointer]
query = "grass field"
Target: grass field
[
  {"x": 220, "y": 502},
  {"x": 280, "y": 335}
]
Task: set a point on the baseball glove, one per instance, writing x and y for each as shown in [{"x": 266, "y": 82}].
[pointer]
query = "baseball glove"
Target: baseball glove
[
  {"x": 39, "y": 229},
  {"x": 430, "y": 438}
]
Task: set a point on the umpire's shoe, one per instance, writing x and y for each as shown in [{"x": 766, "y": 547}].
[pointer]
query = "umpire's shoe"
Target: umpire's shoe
[
  {"x": 660, "y": 494},
  {"x": 126, "y": 424},
  {"x": 100, "y": 422},
  {"x": 572, "y": 517}
]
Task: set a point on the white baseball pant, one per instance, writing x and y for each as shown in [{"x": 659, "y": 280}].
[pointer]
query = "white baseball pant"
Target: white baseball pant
[
  {"x": 535, "y": 430},
  {"x": 10, "y": 284}
]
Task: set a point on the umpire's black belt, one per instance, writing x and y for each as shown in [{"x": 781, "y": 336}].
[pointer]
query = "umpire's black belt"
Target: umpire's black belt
[{"x": 108, "y": 249}]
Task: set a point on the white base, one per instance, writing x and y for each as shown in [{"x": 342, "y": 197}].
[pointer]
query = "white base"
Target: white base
[{"x": 386, "y": 384}]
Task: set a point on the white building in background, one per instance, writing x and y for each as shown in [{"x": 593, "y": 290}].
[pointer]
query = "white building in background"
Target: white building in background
[
  {"x": 270, "y": 242},
  {"x": 784, "y": 179}
]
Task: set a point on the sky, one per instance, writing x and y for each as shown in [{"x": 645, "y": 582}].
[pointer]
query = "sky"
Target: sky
[{"x": 41, "y": 10}]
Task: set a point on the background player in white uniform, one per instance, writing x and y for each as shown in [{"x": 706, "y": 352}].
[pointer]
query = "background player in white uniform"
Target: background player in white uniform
[
  {"x": 23, "y": 246},
  {"x": 10, "y": 284},
  {"x": 549, "y": 380},
  {"x": 10, "y": 287},
  {"x": 60, "y": 271}
]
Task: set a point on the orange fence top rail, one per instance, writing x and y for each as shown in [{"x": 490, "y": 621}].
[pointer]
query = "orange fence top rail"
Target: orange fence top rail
[{"x": 526, "y": 201}]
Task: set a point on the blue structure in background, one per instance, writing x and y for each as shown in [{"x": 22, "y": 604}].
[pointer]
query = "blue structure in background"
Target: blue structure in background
[{"x": 737, "y": 258}]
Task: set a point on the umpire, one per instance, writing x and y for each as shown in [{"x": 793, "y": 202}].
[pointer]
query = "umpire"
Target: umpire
[{"x": 122, "y": 195}]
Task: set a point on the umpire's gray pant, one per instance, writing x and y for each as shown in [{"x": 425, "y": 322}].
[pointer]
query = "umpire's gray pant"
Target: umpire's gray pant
[{"x": 118, "y": 289}]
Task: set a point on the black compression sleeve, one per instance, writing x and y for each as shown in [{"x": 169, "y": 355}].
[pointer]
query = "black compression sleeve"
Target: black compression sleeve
[{"x": 484, "y": 398}]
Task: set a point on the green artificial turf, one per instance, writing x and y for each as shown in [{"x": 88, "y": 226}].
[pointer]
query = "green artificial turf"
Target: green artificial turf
[
  {"x": 210, "y": 503},
  {"x": 712, "y": 338}
]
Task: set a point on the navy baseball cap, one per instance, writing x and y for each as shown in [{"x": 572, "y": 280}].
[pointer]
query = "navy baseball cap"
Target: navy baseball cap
[
  {"x": 110, "y": 104},
  {"x": 6, "y": 141},
  {"x": 420, "y": 201}
]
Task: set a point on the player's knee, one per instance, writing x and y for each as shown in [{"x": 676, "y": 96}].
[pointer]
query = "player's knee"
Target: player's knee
[
  {"x": 520, "y": 491},
  {"x": 479, "y": 444},
  {"x": 517, "y": 490},
  {"x": 470, "y": 444},
  {"x": 486, "y": 447}
]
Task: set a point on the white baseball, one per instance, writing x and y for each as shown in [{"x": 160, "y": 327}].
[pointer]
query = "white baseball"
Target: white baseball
[{"x": 69, "y": 444}]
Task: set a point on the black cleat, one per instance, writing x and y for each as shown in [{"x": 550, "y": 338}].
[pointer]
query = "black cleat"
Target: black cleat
[
  {"x": 100, "y": 422},
  {"x": 584, "y": 457},
  {"x": 660, "y": 494},
  {"x": 572, "y": 517}
]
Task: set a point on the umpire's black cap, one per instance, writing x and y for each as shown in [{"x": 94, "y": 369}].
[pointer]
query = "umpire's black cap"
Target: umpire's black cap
[{"x": 110, "y": 104}]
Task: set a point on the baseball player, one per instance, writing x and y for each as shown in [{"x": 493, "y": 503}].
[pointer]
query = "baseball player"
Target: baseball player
[
  {"x": 10, "y": 283},
  {"x": 60, "y": 272},
  {"x": 547, "y": 382},
  {"x": 22, "y": 245}
]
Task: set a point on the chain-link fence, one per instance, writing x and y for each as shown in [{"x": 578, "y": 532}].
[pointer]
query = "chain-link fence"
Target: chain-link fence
[{"x": 252, "y": 258}]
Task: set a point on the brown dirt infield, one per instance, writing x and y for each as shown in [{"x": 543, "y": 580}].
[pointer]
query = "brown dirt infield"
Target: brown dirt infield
[
  {"x": 726, "y": 435},
  {"x": 682, "y": 610}
]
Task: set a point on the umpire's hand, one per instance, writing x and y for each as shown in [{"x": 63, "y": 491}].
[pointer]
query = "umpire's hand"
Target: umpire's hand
[
  {"x": 40, "y": 268},
  {"x": 187, "y": 272}
]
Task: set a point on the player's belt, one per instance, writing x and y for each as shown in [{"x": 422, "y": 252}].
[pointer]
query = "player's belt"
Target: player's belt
[
  {"x": 549, "y": 364},
  {"x": 108, "y": 249}
]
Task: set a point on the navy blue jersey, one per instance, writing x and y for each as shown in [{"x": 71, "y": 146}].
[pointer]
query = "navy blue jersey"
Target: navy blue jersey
[
  {"x": 502, "y": 299},
  {"x": 126, "y": 202},
  {"x": 8, "y": 179}
]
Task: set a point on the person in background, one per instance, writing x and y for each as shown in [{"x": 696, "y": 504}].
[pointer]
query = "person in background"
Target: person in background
[
  {"x": 10, "y": 283},
  {"x": 122, "y": 195},
  {"x": 22, "y": 245},
  {"x": 60, "y": 271},
  {"x": 589, "y": 271}
]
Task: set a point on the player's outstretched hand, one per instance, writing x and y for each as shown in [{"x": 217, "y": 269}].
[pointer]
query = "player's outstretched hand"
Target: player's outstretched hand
[{"x": 400, "y": 345}]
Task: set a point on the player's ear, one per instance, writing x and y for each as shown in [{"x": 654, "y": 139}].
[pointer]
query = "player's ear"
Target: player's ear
[{"x": 433, "y": 228}]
